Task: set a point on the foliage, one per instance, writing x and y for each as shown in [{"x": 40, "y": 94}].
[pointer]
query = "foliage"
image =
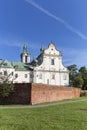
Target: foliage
[
  {"x": 6, "y": 89},
  {"x": 78, "y": 77},
  {"x": 6, "y": 86},
  {"x": 71, "y": 116},
  {"x": 78, "y": 81},
  {"x": 83, "y": 72},
  {"x": 75, "y": 78}
]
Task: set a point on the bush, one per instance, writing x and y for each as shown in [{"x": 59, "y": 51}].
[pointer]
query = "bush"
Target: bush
[{"x": 6, "y": 89}]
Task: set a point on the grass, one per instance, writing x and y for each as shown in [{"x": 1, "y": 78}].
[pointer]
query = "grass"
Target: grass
[{"x": 72, "y": 116}]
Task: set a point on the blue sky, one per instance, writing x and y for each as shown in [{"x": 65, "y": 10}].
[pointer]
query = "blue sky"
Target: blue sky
[{"x": 38, "y": 22}]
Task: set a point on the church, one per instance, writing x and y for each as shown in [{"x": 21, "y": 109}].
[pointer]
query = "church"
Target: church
[{"x": 47, "y": 68}]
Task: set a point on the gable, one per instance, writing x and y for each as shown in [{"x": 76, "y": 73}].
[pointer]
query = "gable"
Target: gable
[{"x": 51, "y": 50}]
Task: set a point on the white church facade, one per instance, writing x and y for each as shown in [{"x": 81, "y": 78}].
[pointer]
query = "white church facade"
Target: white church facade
[{"x": 47, "y": 68}]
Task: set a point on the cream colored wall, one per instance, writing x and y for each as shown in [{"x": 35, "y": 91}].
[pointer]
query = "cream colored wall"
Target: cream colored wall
[
  {"x": 9, "y": 73},
  {"x": 48, "y": 70},
  {"x": 21, "y": 77}
]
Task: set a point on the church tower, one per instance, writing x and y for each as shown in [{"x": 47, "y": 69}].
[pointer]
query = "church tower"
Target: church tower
[{"x": 25, "y": 56}]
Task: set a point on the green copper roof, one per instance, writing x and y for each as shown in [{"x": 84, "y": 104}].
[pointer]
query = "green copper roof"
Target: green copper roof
[
  {"x": 5, "y": 64},
  {"x": 20, "y": 66}
]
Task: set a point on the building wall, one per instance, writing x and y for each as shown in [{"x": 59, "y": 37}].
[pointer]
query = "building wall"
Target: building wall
[
  {"x": 48, "y": 70},
  {"x": 9, "y": 74},
  {"x": 22, "y": 77},
  {"x": 52, "y": 77}
]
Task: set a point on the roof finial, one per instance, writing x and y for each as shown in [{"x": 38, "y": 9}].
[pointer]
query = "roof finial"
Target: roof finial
[
  {"x": 25, "y": 48},
  {"x": 42, "y": 48}
]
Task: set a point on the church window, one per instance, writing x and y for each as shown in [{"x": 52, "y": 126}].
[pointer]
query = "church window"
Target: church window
[
  {"x": 47, "y": 81},
  {"x": 12, "y": 73},
  {"x": 5, "y": 72},
  {"x": 26, "y": 75},
  {"x": 31, "y": 75},
  {"x": 53, "y": 76},
  {"x": 25, "y": 59},
  {"x": 52, "y": 61},
  {"x": 16, "y": 75}
]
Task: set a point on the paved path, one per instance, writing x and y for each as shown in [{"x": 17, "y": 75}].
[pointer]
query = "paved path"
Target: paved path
[{"x": 41, "y": 105}]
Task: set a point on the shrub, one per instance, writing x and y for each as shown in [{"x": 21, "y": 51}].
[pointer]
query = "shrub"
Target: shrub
[{"x": 6, "y": 89}]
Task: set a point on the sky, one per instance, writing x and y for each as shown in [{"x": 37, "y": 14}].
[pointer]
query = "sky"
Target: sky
[{"x": 38, "y": 22}]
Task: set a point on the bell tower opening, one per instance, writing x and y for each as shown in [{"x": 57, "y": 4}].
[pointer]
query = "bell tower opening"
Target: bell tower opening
[{"x": 25, "y": 56}]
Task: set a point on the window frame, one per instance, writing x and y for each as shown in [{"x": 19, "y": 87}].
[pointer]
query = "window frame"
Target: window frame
[
  {"x": 26, "y": 75},
  {"x": 5, "y": 73},
  {"x": 52, "y": 62},
  {"x": 53, "y": 76},
  {"x": 16, "y": 75}
]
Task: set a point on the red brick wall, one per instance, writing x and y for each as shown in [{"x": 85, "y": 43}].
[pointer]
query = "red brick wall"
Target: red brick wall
[
  {"x": 38, "y": 93},
  {"x": 47, "y": 93}
]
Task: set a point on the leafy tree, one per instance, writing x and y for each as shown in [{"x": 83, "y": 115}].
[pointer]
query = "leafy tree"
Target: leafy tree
[
  {"x": 6, "y": 87},
  {"x": 72, "y": 69},
  {"x": 78, "y": 81},
  {"x": 83, "y": 72},
  {"x": 75, "y": 78},
  {"x": 72, "y": 74}
]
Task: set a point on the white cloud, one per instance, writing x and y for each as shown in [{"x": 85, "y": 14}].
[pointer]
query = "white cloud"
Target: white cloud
[{"x": 68, "y": 26}]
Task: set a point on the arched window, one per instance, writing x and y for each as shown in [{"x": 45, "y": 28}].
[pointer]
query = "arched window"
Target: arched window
[
  {"x": 26, "y": 75},
  {"x": 5, "y": 73},
  {"x": 25, "y": 59},
  {"x": 52, "y": 61},
  {"x": 16, "y": 75}
]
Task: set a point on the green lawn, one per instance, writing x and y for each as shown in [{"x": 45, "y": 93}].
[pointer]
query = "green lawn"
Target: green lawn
[{"x": 72, "y": 116}]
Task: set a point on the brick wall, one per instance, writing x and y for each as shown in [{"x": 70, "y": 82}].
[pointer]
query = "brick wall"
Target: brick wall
[
  {"x": 21, "y": 95},
  {"x": 38, "y": 93},
  {"x": 48, "y": 93}
]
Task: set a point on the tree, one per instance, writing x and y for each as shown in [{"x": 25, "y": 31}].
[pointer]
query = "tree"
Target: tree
[
  {"x": 78, "y": 81},
  {"x": 72, "y": 73},
  {"x": 6, "y": 86},
  {"x": 75, "y": 78},
  {"x": 83, "y": 72}
]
